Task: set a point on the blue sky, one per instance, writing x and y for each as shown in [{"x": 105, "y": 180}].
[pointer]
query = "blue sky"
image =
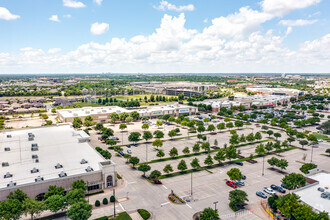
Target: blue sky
[{"x": 67, "y": 36}]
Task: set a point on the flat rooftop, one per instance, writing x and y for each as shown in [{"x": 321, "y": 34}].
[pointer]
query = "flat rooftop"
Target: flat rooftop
[
  {"x": 56, "y": 145},
  {"x": 312, "y": 197}
]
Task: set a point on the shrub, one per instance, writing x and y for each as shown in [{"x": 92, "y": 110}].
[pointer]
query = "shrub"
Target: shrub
[
  {"x": 112, "y": 199},
  {"x": 118, "y": 176},
  {"x": 105, "y": 201},
  {"x": 94, "y": 193},
  {"x": 102, "y": 218},
  {"x": 97, "y": 203},
  {"x": 144, "y": 213}
]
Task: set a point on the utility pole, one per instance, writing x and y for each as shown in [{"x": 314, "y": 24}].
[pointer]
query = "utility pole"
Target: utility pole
[
  {"x": 191, "y": 184},
  {"x": 312, "y": 153},
  {"x": 146, "y": 153},
  {"x": 114, "y": 205}
]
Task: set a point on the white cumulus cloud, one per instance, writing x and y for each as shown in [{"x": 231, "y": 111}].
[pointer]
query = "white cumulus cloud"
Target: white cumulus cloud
[
  {"x": 54, "y": 18},
  {"x": 6, "y": 15},
  {"x": 54, "y": 50},
  {"x": 165, "y": 5},
  {"x": 73, "y": 4},
  {"x": 99, "y": 2},
  {"x": 99, "y": 28},
  {"x": 299, "y": 22},
  {"x": 67, "y": 16},
  {"x": 282, "y": 7}
]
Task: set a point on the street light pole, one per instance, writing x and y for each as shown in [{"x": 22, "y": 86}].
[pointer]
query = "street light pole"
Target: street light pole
[
  {"x": 263, "y": 165},
  {"x": 312, "y": 154},
  {"x": 215, "y": 206},
  {"x": 114, "y": 205},
  {"x": 191, "y": 179}
]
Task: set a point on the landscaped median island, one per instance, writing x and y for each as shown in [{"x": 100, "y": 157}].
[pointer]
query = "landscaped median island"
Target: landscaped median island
[{"x": 175, "y": 198}]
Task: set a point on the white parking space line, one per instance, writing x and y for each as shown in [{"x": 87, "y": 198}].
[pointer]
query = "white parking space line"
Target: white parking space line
[
  {"x": 165, "y": 187},
  {"x": 121, "y": 207},
  {"x": 188, "y": 206},
  {"x": 132, "y": 182},
  {"x": 164, "y": 203}
]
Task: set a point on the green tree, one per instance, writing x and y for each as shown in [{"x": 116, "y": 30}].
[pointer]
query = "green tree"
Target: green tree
[
  {"x": 122, "y": 126},
  {"x": 54, "y": 190},
  {"x": 155, "y": 174},
  {"x": 231, "y": 152},
  {"x": 158, "y": 134},
  {"x": 220, "y": 156},
  {"x": 209, "y": 214},
  {"x": 11, "y": 209},
  {"x": 174, "y": 152},
  {"x": 182, "y": 165},
  {"x": 79, "y": 184},
  {"x": 135, "y": 115},
  {"x": 242, "y": 138},
  {"x": 234, "y": 139},
  {"x": 305, "y": 168},
  {"x": 159, "y": 123},
  {"x": 17, "y": 194},
  {"x": 171, "y": 133},
  {"x": 134, "y": 137},
  {"x": 211, "y": 127},
  {"x": 144, "y": 168},
  {"x": 237, "y": 197},
  {"x": 270, "y": 132},
  {"x": 80, "y": 211},
  {"x": 258, "y": 136},
  {"x": 76, "y": 122},
  {"x": 239, "y": 124},
  {"x": 53, "y": 110},
  {"x": 186, "y": 150},
  {"x": 196, "y": 148},
  {"x": 272, "y": 161},
  {"x": 56, "y": 203},
  {"x": 200, "y": 128},
  {"x": 282, "y": 164},
  {"x": 277, "y": 135},
  {"x": 234, "y": 174},
  {"x": 128, "y": 120},
  {"x": 294, "y": 180},
  {"x": 260, "y": 150},
  {"x": 74, "y": 196},
  {"x": 168, "y": 168},
  {"x": 229, "y": 125},
  {"x": 287, "y": 204},
  {"x": 208, "y": 160},
  {"x": 157, "y": 143},
  {"x": 269, "y": 146},
  {"x": 303, "y": 143},
  {"x": 134, "y": 161},
  {"x": 114, "y": 117},
  {"x": 250, "y": 137},
  {"x": 195, "y": 163},
  {"x": 127, "y": 156},
  {"x": 145, "y": 126},
  {"x": 221, "y": 126},
  {"x": 160, "y": 154},
  {"x": 33, "y": 207}
]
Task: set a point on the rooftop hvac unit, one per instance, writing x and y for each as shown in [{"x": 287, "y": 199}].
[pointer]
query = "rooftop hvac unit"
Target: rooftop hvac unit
[
  {"x": 30, "y": 134},
  {"x": 31, "y": 138},
  {"x": 5, "y": 164},
  {"x": 58, "y": 166},
  {"x": 8, "y": 175},
  {"x": 11, "y": 183},
  {"x": 83, "y": 161},
  {"x": 34, "y": 170},
  {"x": 39, "y": 179},
  {"x": 34, "y": 156},
  {"x": 62, "y": 174},
  {"x": 8, "y": 135},
  {"x": 7, "y": 148},
  {"x": 89, "y": 169},
  {"x": 75, "y": 114},
  {"x": 104, "y": 110},
  {"x": 87, "y": 112},
  {"x": 37, "y": 161}
]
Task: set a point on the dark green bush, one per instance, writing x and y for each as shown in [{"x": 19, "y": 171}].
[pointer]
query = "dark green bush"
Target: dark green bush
[
  {"x": 97, "y": 203},
  {"x": 144, "y": 213},
  {"x": 105, "y": 201},
  {"x": 112, "y": 199}
]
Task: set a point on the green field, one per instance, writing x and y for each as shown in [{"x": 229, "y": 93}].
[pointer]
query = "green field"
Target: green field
[{"x": 321, "y": 136}]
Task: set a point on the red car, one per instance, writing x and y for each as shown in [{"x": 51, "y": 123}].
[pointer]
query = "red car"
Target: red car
[
  {"x": 231, "y": 184},
  {"x": 213, "y": 133}
]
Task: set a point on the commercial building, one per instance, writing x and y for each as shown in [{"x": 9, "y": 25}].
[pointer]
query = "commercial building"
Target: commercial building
[
  {"x": 102, "y": 114},
  {"x": 311, "y": 194},
  {"x": 34, "y": 159},
  {"x": 248, "y": 102},
  {"x": 275, "y": 91}
]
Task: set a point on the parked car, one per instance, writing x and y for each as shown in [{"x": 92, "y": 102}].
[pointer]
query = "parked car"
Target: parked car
[
  {"x": 240, "y": 183},
  {"x": 243, "y": 177},
  {"x": 129, "y": 146},
  {"x": 121, "y": 153},
  {"x": 114, "y": 138},
  {"x": 285, "y": 186},
  {"x": 277, "y": 188},
  {"x": 261, "y": 194},
  {"x": 231, "y": 184},
  {"x": 320, "y": 189},
  {"x": 213, "y": 133},
  {"x": 129, "y": 151},
  {"x": 269, "y": 191},
  {"x": 239, "y": 163},
  {"x": 135, "y": 145}
]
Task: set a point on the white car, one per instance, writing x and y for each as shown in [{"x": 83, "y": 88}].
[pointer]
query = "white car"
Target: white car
[{"x": 269, "y": 191}]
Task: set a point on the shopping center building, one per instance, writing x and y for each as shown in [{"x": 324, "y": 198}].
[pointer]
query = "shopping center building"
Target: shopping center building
[{"x": 34, "y": 159}]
